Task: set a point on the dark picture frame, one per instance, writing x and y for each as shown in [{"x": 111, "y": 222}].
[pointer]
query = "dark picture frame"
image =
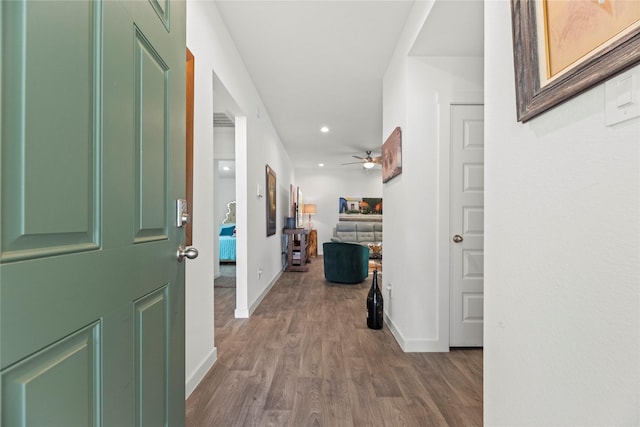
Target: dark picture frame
[
  {"x": 532, "y": 96},
  {"x": 271, "y": 201}
]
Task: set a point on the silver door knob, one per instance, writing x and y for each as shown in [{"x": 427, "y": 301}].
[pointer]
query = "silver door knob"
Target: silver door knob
[
  {"x": 457, "y": 238},
  {"x": 190, "y": 253}
]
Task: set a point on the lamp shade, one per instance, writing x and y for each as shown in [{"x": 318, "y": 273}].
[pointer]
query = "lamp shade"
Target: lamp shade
[{"x": 309, "y": 208}]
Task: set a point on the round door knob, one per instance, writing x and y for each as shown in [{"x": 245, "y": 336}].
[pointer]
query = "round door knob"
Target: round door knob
[
  {"x": 457, "y": 238},
  {"x": 190, "y": 253}
]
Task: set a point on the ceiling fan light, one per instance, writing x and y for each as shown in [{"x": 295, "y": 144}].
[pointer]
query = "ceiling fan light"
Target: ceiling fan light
[{"x": 368, "y": 165}]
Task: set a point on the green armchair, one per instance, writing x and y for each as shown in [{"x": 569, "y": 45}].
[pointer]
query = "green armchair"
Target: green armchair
[{"x": 345, "y": 262}]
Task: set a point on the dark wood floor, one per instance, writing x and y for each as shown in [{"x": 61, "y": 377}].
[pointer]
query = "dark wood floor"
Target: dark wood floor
[{"x": 307, "y": 358}]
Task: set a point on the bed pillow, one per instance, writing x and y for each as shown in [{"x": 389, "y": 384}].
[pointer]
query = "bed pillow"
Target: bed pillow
[{"x": 227, "y": 229}]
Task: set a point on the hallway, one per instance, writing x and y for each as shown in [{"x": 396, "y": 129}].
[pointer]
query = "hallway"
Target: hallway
[{"x": 306, "y": 357}]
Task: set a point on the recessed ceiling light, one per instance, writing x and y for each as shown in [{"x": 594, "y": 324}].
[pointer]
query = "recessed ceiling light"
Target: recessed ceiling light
[
  {"x": 324, "y": 129},
  {"x": 321, "y": 164},
  {"x": 226, "y": 168}
]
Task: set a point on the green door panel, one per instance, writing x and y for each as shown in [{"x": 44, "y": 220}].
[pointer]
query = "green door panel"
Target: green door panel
[
  {"x": 152, "y": 357},
  {"x": 58, "y": 386},
  {"x": 162, "y": 9},
  {"x": 151, "y": 106},
  {"x": 51, "y": 97},
  {"x": 91, "y": 161}
]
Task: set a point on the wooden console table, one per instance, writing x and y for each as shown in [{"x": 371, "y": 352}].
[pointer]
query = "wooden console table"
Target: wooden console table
[{"x": 296, "y": 249}]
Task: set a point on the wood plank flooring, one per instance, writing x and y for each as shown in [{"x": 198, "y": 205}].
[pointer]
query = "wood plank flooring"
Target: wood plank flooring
[{"x": 307, "y": 358}]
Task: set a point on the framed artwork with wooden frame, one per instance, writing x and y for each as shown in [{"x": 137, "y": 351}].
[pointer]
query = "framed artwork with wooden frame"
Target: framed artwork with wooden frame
[
  {"x": 392, "y": 156},
  {"x": 271, "y": 201},
  {"x": 562, "y": 48}
]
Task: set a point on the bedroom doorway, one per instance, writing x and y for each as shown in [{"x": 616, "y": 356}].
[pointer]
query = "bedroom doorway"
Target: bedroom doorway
[
  {"x": 229, "y": 178},
  {"x": 226, "y": 278},
  {"x": 225, "y": 201}
]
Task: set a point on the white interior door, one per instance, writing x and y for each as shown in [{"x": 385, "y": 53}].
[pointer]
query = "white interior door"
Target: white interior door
[{"x": 467, "y": 226}]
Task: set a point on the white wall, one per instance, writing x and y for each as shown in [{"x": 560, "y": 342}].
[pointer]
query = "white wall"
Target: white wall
[
  {"x": 214, "y": 51},
  {"x": 324, "y": 187},
  {"x": 562, "y": 256},
  {"x": 415, "y": 90},
  {"x": 225, "y": 146}
]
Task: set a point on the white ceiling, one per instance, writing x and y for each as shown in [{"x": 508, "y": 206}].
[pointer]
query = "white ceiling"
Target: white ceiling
[{"x": 321, "y": 63}]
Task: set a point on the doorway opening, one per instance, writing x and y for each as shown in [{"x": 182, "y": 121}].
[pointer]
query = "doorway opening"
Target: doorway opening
[
  {"x": 224, "y": 202},
  {"x": 229, "y": 201}
]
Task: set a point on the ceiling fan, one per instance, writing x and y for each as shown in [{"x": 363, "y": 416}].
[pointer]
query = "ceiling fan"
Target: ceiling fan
[{"x": 368, "y": 162}]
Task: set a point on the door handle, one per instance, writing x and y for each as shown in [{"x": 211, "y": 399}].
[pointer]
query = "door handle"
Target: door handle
[
  {"x": 457, "y": 238},
  {"x": 184, "y": 252}
]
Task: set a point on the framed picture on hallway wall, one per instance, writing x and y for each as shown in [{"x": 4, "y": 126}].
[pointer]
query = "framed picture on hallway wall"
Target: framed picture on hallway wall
[
  {"x": 271, "y": 201},
  {"x": 299, "y": 204},
  {"x": 562, "y": 48},
  {"x": 392, "y": 156}
]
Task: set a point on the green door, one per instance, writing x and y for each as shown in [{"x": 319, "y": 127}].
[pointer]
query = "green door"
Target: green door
[{"x": 92, "y": 120}]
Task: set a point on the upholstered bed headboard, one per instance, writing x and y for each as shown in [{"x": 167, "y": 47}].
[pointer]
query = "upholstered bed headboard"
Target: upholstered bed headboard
[{"x": 230, "y": 216}]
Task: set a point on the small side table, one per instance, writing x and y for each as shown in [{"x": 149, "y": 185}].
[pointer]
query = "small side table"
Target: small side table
[
  {"x": 296, "y": 249},
  {"x": 312, "y": 244}
]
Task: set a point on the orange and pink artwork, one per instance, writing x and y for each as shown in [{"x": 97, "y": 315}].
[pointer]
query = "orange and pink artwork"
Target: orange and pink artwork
[
  {"x": 392, "y": 155},
  {"x": 575, "y": 29}
]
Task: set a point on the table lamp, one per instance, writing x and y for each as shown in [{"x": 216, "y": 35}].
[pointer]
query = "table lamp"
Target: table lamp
[{"x": 309, "y": 208}]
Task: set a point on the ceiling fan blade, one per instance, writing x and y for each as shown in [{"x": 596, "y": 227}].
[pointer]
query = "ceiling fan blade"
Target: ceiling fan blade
[
  {"x": 351, "y": 163},
  {"x": 369, "y": 159}
]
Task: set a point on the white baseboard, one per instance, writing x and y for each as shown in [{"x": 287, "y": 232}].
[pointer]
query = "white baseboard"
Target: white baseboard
[
  {"x": 413, "y": 345},
  {"x": 241, "y": 314},
  {"x": 193, "y": 381},
  {"x": 244, "y": 313},
  {"x": 263, "y": 294}
]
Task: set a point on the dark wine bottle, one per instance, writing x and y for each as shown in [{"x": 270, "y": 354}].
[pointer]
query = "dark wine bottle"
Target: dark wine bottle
[{"x": 374, "y": 304}]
